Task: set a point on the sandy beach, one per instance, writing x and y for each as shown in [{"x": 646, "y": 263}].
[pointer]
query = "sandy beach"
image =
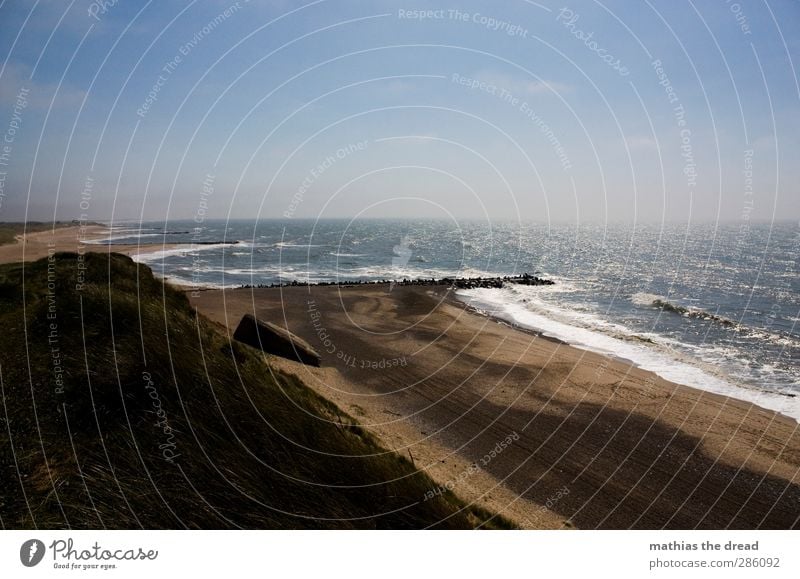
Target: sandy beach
[
  {"x": 546, "y": 434},
  {"x": 549, "y": 435},
  {"x": 33, "y": 246}
]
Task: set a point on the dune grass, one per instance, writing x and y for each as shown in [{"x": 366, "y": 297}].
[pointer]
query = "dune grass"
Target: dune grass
[
  {"x": 122, "y": 408},
  {"x": 9, "y": 230}
]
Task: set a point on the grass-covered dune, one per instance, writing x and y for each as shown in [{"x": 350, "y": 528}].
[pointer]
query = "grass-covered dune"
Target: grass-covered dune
[
  {"x": 10, "y": 230},
  {"x": 122, "y": 408}
]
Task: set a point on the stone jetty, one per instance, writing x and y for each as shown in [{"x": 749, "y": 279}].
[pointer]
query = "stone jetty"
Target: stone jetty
[{"x": 452, "y": 283}]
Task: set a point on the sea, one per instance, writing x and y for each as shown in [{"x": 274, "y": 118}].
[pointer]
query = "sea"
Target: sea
[{"x": 713, "y": 306}]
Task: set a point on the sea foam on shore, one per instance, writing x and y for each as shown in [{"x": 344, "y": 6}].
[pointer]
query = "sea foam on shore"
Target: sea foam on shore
[{"x": 522, "y": 307}]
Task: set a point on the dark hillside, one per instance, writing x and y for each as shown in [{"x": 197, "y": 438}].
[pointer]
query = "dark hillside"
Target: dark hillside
[{"x": 123, "y": 409}]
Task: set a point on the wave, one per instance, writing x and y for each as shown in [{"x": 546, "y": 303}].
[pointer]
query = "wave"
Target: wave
[
  {"x": 151, "y": 256},
  {"x": 663, "y": 304},
  {"x": 276, "y": 270},
  {"x": 129, "y": 229},
  {"x": 285, "y": 244},
  {"x": 669, "y": 359},
  {"x": 108, "y": 240},
  {"x": 399, "y": 273},
  {"x": 183, "y": 282},
  {"x": 254, "y": 245},
  {"x": 752, "y": 333}
]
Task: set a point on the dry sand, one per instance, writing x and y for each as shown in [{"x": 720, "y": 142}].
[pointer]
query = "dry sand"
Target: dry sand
[
  {"x": 33, "y": 246},
  {"x": 595, "y": 442}
]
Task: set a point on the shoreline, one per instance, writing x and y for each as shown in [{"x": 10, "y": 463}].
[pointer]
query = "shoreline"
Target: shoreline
[
  {"x": 595, "y": 441},
  {"x": 602, "y": 443},
  {"x": 770, "y": 400},
  {"x": 72, "y": 238},
  {"x": 81, "y": 238}
]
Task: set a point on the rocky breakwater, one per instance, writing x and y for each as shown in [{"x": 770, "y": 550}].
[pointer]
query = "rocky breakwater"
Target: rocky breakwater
[
  {"x": 496, "y": 282},
  {"x": 453, "y": 283}
]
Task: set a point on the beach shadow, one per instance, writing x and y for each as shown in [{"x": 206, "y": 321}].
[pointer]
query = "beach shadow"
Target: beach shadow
[{"x": 602, "y": 468}]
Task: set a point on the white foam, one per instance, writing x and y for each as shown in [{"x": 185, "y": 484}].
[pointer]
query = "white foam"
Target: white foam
[
  {"x": 107, "y": 240},
  {"x": 398, "y": 273},
  {"x": 589, "y": 332},
  {"x": 183, "y": 282},
  {"x": 253, "y": 271},
  {"x": 284, "y": 244},
  {"x": 646, "y": 299},
  {"x": 151, "y": 256}
]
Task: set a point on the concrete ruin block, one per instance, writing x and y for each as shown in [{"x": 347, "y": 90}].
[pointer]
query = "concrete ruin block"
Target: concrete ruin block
[{"x": 275, "y": 340}]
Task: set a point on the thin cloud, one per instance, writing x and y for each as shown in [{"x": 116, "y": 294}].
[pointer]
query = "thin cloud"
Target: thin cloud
[{"x": 39, "y": 95}]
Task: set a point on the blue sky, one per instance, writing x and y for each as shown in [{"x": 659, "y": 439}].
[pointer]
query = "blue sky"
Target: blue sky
[{"x": 500, "y": 110}]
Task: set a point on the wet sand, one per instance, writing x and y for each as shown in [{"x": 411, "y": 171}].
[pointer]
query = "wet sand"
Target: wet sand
[{"x": 549, "y": 435}]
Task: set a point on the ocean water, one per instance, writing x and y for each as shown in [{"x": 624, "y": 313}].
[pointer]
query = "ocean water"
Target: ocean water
[{"x": 714, "y": 306}]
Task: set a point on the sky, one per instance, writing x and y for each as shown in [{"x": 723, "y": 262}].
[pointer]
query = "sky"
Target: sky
[{"x": 660, "y": 110}]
